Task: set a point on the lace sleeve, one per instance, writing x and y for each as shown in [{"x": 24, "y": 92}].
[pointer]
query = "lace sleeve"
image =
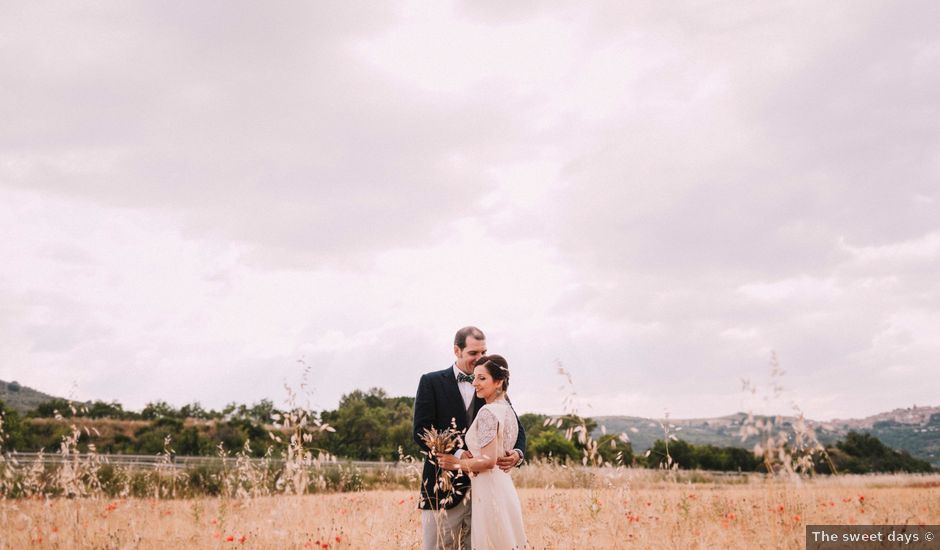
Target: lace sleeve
[
  {"x": 487, "y": 426},
  {"x": 511, "y": 430}
]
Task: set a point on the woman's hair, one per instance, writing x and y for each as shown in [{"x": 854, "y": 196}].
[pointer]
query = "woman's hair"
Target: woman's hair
[{"x": 497, "y": 366}]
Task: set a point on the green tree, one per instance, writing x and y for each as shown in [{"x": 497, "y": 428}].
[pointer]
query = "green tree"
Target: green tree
[
  {"x": 101, "y": 409},
  {"x": 614, "y": 450},
  {"x": 861, "y": 453},
  {"x": 12, "y": 436},
  {"x": 361, "y": 430},
  {"x": 369, "y": 426},
  {"x": 48, "y": 409},
  {"x": 534, "y": 424},
  {"x": 150, "y": 438},
  {"x": 680, "y": 452},
  {"x": 194, "y": 410},
  {"x": 554, "y": 446},
  {"x": 159, "y": 409}
]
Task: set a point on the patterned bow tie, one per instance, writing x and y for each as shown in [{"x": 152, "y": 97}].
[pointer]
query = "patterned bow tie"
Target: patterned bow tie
[{"x": 468, "y": 378}]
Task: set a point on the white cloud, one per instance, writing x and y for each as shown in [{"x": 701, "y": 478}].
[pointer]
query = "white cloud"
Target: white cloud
[{"x": 656, "y": 196}]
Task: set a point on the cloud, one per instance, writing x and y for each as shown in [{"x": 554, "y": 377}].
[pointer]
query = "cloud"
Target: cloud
[
  {"x": 261, "y": 126},
  {"x": 655, "y": 196}
]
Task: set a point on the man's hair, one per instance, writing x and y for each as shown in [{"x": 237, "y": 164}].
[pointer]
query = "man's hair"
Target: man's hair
[{"x": 460, "y": 339}]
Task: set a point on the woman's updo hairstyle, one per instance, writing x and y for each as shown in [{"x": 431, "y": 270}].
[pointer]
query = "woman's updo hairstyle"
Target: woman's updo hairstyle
[{"x": 497, "y": 366}]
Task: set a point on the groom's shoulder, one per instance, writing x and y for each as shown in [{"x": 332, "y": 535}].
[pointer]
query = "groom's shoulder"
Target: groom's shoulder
[{"x": 437, "y": 374}]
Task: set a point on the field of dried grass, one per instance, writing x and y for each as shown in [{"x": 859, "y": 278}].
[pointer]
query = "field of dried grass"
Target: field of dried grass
[{"x": 622, "y": 509}]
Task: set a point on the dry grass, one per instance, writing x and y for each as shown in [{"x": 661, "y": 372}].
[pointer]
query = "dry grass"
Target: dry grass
[
  {"x": 635, "y": 508},
  {"x": 564, "y": 507}
]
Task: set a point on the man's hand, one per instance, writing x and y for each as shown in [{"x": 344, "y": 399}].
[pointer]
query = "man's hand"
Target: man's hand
[{"x": 508, "y": 461}]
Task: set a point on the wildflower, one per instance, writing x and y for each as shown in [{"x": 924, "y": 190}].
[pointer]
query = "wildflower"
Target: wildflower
[
  {"x": 338, "y": 539},
  {"x": 242, "y": 539},
  {"x": 230, "y": 538}
]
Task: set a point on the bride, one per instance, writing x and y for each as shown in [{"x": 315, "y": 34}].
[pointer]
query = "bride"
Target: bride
[{"x": 496, "y": 521}]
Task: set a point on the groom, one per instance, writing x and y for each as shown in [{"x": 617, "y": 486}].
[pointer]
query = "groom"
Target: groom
[{"x": 446, "y": 397}]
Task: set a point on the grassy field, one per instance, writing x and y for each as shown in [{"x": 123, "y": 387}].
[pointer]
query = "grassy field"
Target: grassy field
[{"x": 622, "y": 508}]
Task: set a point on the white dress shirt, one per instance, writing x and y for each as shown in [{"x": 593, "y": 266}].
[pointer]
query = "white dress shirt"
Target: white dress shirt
[{"x": 466, "y": 389}]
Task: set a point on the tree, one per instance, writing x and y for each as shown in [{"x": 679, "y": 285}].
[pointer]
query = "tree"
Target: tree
[
  {"x": 48, "y": 409},
  {"x": 101, "y": 409},
  {"x": 677, "y": 452},
  {"x": 370, "y": 426},
  {"x": 150, "y": 438},
  {"x": 12, "y": 436},
  {"x": 159, "y": 409},
  {"x": 861, "y": 453},
  {"x": 534, "y": 424},
  {"x": 614, "y": 450},
  {"x": 553, "y": 446}
]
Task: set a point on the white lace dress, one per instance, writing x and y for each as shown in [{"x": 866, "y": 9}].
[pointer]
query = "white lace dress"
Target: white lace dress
[{"x": 496, "y": 516}]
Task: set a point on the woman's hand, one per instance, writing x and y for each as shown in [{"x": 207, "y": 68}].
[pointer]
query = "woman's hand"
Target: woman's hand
[{"x": 447, "y": 462}]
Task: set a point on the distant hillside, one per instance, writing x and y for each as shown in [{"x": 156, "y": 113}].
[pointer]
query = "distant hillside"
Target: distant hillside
[
  {"x": 915, "y": 430},
  {"x": 21, "y": 398}
]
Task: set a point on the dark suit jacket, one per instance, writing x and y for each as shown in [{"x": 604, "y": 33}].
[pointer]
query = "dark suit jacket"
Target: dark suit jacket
[{"x": 438, "y": 403}]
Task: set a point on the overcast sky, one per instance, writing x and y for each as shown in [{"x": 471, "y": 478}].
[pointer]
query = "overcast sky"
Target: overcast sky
[{"x": 194, "y": 196}]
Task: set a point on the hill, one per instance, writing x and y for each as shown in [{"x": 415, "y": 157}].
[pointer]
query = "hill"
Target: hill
[
  {"x": 915, "y": 430},
  {"x": 22, "y": 398}
]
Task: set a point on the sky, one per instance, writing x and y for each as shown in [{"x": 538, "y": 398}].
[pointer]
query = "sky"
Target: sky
[{"x": 199, "y": 200}]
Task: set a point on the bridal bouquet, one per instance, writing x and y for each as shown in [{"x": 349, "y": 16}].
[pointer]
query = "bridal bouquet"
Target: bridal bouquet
[{"x": 443, "y": 441}]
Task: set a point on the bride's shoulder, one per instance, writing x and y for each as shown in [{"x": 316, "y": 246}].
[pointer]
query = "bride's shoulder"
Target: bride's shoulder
[
  {"x": 495, "y": 406},
  {"x": 492, "y": 407}
]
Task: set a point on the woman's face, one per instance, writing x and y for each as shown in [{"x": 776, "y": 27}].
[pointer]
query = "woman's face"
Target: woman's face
[{"x": 484, "y": 384}]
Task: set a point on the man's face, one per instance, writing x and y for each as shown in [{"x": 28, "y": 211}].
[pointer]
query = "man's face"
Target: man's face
[{"x": 467, "y": 356}]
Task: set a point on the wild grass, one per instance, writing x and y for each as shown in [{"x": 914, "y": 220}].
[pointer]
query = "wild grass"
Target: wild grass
[
  {"x": 304, "y": 498},
  {"x": 640, "y": 509}
]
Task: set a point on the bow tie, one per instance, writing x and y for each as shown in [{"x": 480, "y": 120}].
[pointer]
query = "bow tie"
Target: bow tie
[{"x": 461, "y": 377}]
